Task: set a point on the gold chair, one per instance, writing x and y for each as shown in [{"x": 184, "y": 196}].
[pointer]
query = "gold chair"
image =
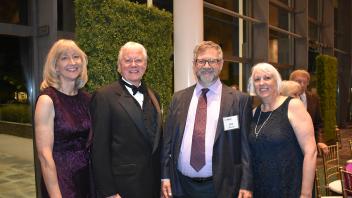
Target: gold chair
[
  {"x": 350, "y": 142},
  {"x": 331, "y": 164},
  {"x": 346, "y": 179},
  {"x": 318, "y": 188},
  {"x": 338, "y": 136}
]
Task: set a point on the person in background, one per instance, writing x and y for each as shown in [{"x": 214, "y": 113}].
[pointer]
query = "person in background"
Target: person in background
[
  {"x": 290, "y": 88},
  {"x": 126, "y": 122},
  {"x": 312, "y": 104},
  {"x": 62, "y": 123},
  {"x": 235, "y": 87},
  {"x": 205, "y": 148},
  {"x": 281, "y": 140}
]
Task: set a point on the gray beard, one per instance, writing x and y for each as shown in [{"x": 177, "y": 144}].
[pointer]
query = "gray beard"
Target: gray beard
[{"x": 204, "y": 81}]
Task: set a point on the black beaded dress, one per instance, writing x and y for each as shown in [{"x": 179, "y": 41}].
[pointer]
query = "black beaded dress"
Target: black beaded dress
[{"x": 277, "y": 156}]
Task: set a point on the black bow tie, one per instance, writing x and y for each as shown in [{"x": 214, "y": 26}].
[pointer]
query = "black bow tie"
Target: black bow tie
[{"x": 134, "y": 88}]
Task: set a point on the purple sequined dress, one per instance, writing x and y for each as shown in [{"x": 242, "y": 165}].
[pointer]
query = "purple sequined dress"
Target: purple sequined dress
[{"x": 70, "y": 153}]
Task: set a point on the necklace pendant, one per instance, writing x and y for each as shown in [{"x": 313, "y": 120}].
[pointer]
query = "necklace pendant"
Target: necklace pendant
[{"x": 256, "y": 132}]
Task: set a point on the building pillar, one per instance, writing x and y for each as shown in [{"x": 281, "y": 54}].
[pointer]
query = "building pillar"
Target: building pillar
[{"x": 188, "y": 32}]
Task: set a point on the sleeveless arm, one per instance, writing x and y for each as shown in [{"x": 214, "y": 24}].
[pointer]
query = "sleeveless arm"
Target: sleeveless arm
[
  {"x": 44, "y": 137},
  {"x": 304, "y": 131}
]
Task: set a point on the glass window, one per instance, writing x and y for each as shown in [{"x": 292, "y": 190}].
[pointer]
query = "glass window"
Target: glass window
[
  {"x": 313, "y": 9},
  {"x": 230, "y": 5},
  {"x": 233, "y": 5},
  {"x": 14, "y": 78},
  {"x": 230, "y": 73},
  {"x": 278, "y": 17},
  {"x": 231, "y": 38},
  {"x": 279, "y": 48},
  {"x": 13, "y": 11},
  {"x": 313, "y": 31},
  {"x": 228, "y": 37},
  {"x": 284, "y": 1}
]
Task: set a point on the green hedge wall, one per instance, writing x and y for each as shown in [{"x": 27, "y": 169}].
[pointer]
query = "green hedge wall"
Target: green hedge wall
[
  {"x": 327, "y": 86},
  {"x": 103, "y": 26}
]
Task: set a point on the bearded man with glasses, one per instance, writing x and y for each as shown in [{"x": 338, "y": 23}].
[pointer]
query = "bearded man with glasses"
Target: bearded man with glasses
[{"x": 205, "y": 149}]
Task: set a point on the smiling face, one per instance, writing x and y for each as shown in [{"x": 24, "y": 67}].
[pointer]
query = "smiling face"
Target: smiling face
[
  {"x": 264, "y": 84},
  {"x": 207, "y": 66},
  {"x": 69, "y": 66},
  {"x": 132, "y": 65}
]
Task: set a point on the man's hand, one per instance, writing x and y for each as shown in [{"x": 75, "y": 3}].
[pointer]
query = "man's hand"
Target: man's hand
[
  {"x": 323, "y": 147},
  {"x": 166, "y": 188},
  {"x": 244, "y": 194}
]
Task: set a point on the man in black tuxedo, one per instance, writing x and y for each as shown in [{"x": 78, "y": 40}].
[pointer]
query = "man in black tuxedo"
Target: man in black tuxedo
[
  {"x": 126, "y": 123},
  {"x": 205, "y": 149},
  {"x": 312, "y": 103}
]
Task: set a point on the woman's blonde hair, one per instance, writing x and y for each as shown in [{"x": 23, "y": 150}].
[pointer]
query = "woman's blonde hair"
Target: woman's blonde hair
[
  {"x": 50, "y": 76},
  {"x": 290, "y": 88}
]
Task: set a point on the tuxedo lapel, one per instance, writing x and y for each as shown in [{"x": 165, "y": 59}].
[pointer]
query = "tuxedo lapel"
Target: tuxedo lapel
[
  {"x": 158, "y": 131},
  {"x": 158, "y": 119},
  {"x": 127, "y": 102}
]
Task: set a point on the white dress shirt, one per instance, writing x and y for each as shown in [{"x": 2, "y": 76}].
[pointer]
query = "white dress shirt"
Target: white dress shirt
[
  {"x": 138, "y": 96},
  {"x": 213, "y": 111},
  {"x": 303, "y": 98}
]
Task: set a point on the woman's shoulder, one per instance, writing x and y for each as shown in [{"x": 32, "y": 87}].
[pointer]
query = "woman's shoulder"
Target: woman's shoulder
[
  {"x": 48, "y": 92},
  {"x": 45, "y": 100},
  {"x": 295, "y": 102}
]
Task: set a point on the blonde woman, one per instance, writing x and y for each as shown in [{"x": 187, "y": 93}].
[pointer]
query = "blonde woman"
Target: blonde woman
[{"x": 62, "y": 123}]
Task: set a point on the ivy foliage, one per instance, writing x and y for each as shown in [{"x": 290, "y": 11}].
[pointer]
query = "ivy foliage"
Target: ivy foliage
[
  {"x": 326, "y": 87},
  {"x": 103, "y": 26}
]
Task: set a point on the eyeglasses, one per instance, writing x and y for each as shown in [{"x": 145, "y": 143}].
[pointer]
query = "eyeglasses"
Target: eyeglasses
[
  {"x": 129, "y": 61},
  {"x": 211, "y": 62}
]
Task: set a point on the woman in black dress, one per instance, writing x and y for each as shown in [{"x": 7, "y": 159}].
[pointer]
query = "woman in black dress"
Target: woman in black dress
[{"x": 281, "y": 140}]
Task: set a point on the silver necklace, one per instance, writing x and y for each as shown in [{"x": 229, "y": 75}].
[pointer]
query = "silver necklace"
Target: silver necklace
[{"x": 255, "y": 129}]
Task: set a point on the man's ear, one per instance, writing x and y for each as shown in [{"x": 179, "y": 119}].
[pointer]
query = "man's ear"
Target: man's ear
[{"x": 118, "y": 69}]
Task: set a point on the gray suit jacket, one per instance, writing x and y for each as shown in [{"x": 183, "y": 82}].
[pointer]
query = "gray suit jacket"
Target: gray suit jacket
[{"x": 231, "y": 154}]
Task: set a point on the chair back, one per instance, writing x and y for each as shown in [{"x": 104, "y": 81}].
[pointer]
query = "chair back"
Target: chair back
[
  {"x": 346, "y": 179},
  {"x": 317, "y": 184},
  {"x": 331, "y": 164},
  {"x": 350, "y": 142}
]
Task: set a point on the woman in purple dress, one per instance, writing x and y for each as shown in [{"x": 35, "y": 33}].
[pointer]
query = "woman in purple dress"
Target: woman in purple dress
[{"x": 62, "y": 123}]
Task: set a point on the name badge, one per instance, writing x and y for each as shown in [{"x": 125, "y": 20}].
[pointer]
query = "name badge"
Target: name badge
[{"x": 230, "y": 122}]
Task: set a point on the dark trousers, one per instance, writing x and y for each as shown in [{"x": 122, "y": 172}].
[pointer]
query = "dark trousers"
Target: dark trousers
[{"x": 196, "y": 189}]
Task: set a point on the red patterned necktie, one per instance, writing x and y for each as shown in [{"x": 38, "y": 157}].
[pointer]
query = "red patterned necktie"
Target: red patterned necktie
[{"x": 198, "y": 140}]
